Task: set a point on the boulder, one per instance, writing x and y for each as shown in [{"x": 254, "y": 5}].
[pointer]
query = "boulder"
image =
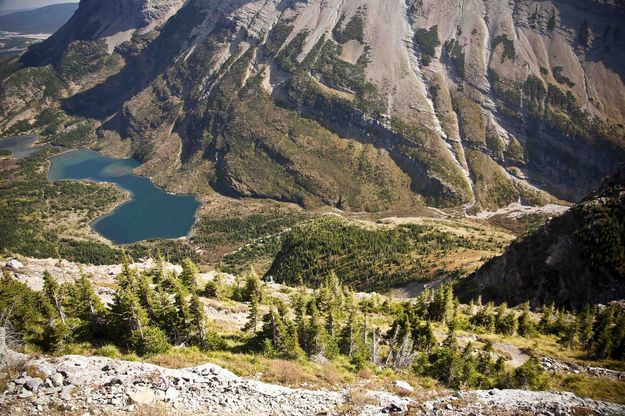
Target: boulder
[
  {"x": 33, "y": 384},
  {"x": 171, "y": 394},
  {"x": 142, "y": 396},
  {"x": 56, "y": 379},
  {"x": 14, "y": 264},
  {"x": 402, "y": 385}
]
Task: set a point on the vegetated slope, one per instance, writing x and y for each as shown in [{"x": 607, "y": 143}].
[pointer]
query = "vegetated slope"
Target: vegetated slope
[
  {"x": 573, "y": 260},
  {"x": 372, "y": 257},
  {"x": 358, "y": 104},
  {"x": 43, "y": 20}
]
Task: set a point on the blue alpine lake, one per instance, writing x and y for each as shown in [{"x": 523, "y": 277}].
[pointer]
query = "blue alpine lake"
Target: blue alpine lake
[{"x": 149, "y": 214}]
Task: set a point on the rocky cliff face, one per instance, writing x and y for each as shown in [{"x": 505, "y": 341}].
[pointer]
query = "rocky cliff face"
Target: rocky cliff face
[
  {"x": 114, "y": 21},
  {"x": 574, "y": 260},
  {"x": 359, "y": 103}
]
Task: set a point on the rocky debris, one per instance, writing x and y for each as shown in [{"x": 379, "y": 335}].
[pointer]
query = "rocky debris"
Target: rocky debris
[
  {"x": 550, "y": 364},
  {"x": 14, "y": 264},
  {"x": 402, "y": 385},
  {"x": 515, "y": 402},
  {"x": 80, "y": 384}
]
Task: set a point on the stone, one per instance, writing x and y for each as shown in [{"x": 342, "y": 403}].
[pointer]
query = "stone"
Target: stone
[
  {"x": 402, "y": 385},
  {"x": 25, "y": 394},
  {"x": 57, "y": 379},
  {"x": 14, "y": 264},
  {"x": 33, "y": 384},
  {"x": 142, "y": 396},
  {"x": 66, "y": 393},
  {"x": 172, "y": 394}
]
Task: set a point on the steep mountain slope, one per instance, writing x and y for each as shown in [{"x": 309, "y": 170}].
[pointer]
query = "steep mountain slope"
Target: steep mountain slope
[
  {"x": 43, "y": 20},
  {"x": 575, "y": 259},
  {"x": 359, "y": 103}
]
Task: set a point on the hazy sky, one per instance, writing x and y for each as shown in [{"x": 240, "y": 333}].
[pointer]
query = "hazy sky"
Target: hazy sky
[{"x": 29, "y": 4}]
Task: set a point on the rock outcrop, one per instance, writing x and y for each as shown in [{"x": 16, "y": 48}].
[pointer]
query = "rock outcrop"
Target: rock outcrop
[
  {"x": 516, "y": 402},
  {"x": 107, "y": 386},
  {"x": 78, "y": 383}
]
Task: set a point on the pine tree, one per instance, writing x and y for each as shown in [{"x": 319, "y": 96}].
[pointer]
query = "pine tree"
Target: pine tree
[
  {"x": 546, "y": 323},
  {"x": 585, "y": 322},
  {"x": 188, "y": 277},
  {"x": 146, "y": 294},
  {"x": 252, "y": 317},
  {"x": 127, "y": 278},
  {"x": 485, "y": 317},
  {"x": 184, "y": 324},
  {"x": 53, "y": 293},
  {"x": 196, "y": 309},
  {"x": 216, "y": 288},
  {"x": 603, "y": 343},
  {"x": 525, "y": 325},
  {"x": 88, "y": 307},
  {"x": 568, "y": 334},
  {"x": 128, "y": 317}
]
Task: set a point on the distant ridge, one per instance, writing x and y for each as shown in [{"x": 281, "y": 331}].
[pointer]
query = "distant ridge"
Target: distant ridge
[{"x": 46, "y": 19}]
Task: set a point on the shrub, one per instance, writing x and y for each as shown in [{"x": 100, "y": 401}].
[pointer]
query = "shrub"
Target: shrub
[{"x": 109, "y": 350}]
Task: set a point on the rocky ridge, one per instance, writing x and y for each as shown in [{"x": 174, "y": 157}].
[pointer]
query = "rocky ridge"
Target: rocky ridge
[
  {"x": 78, "y": 383},
  {"x": 105, "y": 386},
  {"x": 575, "y": 259}
]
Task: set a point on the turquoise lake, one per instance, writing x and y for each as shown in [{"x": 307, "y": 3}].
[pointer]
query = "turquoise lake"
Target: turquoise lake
[{"x": 151, "y": 213}]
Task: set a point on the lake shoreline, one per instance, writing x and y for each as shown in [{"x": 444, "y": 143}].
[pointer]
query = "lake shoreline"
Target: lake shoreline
[{"x": 130, "y": 220}]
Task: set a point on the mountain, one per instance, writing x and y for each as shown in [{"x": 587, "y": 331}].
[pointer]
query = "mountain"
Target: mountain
[
  {"x": 573, "y": 260},
  {"x": 358, "y": 104},
  {"x": 43, "y": 20}
]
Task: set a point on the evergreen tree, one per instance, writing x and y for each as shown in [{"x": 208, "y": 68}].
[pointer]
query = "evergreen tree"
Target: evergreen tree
[
  {"x": 253, "y": 316},
  {"x": 216, "y": 288},
  {"x": 485, "y": 317},
  {"x": 585, "y": 322},
  {"x": 87, "y": 308},
  {"x": 317, "y": 334},
  {"x": 196, "y": 309},
  {"x": 546, "y": 320},
  {"x": 53, "y": 293},
  {"x": 568, "y": 334},
  {"x": 603, "y": 343},
  {"x": 184, "y": 322},
  {"x": 526, "y": 326},
  {"x": 146, "y": 294},
  {"x": 188, "y": 277}
]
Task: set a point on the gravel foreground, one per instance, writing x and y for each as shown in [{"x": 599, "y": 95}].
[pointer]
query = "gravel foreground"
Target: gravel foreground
[{"x": 80, "y": 385}]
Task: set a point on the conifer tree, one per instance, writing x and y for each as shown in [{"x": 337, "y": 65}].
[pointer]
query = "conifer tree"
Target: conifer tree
[
  {"x": 53, "y": 293},
  {"x": 525, "y": 325},
  {"x": 546, "y": 321},
  {"x": 568, "y": 333},
  {"x": 603, "y": 343},
  {"x": 485, "y": 317},
  {"x": 188, "y": 277},
  {"x": 585, "y": 322},
  {"x": 128, "y": 317},
  {"x": 87, "y": 306},
  {"x": 253, "y": 315},
  {"x": 146, "y": 294},
  {"x": 184, "y": 324},
  {"x": 253, "y": 288},
  {"x": 196, "y": 309}
]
